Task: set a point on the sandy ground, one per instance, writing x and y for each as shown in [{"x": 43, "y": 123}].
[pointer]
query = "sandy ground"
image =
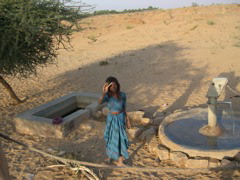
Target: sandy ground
[{"x": 160, "y": 57}]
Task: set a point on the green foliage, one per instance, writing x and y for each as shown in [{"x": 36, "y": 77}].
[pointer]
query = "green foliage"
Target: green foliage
[
  {"x": 194, "y": 4},
  {"x": 194, "y": 27},
  {"x": 100, "y": 12},
  {"x": 92, "y": 38},
  {"x": 210, "y": 22},
  {"x": 129, "y": 27},
  {"x": 237, "y": 41},
  {"x": 30, "y": 33},
  {"x": 237, "y": 44},
  {"x": 165, "y": 22}
]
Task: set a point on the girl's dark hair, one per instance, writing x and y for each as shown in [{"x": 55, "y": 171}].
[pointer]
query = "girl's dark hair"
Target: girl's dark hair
[{"x": 113, "y": 79}]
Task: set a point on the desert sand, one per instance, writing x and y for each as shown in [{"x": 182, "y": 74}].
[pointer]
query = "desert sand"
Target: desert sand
[{"x": 164, "y": 60}]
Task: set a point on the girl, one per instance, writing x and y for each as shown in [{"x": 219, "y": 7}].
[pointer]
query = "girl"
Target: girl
[{"x": 115, "y": 133}]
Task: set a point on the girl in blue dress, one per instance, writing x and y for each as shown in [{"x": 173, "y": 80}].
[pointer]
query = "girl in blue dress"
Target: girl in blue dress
[{"x": 115, "y": 133}]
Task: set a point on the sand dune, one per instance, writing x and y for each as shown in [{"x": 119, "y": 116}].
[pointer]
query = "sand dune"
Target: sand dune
[{"x": 160, "y": 57}]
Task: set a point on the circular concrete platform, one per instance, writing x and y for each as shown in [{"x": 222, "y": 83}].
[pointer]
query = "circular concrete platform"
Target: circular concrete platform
[{"x": 180, "y": 132}]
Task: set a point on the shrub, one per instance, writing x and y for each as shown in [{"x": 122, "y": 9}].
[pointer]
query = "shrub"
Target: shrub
[
  {"x": 103, "y": 63},
  {"x": 209, "y": 22}
]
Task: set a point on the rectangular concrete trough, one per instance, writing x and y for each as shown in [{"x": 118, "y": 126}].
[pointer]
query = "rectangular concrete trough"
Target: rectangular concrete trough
[{"x": 73, "y": 109}]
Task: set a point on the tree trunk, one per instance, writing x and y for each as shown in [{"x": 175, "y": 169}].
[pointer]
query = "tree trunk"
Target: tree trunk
[
  {"x": 4, "y": 173},
  {"x": 10, "y": 90}
]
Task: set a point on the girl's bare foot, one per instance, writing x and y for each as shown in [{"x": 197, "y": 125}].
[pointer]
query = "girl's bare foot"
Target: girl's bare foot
[
  {"x": 120, "y": 161},
  {"x": 121, "y": 164}
]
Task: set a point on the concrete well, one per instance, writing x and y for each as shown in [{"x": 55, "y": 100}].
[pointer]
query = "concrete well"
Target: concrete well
[
  {"x": 73, "y": 108},
  {"x": 180, "y": 132}
]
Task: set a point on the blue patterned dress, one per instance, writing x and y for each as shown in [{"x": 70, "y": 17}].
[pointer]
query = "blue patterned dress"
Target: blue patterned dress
[{"x": 115, "y": 133}]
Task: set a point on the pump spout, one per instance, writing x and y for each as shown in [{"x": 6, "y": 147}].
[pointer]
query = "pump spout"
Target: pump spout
[{"x": 214, "y": 91}]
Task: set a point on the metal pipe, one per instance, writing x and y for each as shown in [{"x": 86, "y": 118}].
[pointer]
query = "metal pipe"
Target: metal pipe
[{"x": 212, "y": 112}]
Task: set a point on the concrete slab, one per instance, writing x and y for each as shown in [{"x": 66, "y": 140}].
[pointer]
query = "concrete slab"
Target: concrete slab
[
  {"x": 74, "y": 108},
  {"x": 180, "y": 132}
]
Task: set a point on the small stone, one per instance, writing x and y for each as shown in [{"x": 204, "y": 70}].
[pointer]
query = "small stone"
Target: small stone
[
  {"x": 50, "y": 150},
  {"x": 135, "y": 132},
  {"x": 98, "y": 114},
  {"x": 225, "y": 162},
  {"x": 237, "y": 173},
  {"x": 214, "y": 163},
  {"x": 179, "y": 158},
  {"x": 145, "y": 121},
  {"x": 86, "y": 126},
  {"x": 157, "y": 121},
  {"x": 152, "y": 143},
  {"x": 196, "y": 163},
  {"x": 150, "y": 131},
  {"x": 135, "y": 115},
  {"x": 61, "y": 153},
  {"x": 158, "y": 114},
  {"x": 237, "y": 157},
  {"x": 148, "y": 115},
  {"x": 105, "y": 111}
]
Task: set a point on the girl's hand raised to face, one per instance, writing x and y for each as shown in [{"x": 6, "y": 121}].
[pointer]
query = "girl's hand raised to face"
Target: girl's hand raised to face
[
  {"x": 128, "y": 123},
  {"x": 106, "y": 87}
]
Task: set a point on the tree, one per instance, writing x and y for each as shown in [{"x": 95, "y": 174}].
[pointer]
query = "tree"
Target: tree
[
  {"x": 194, "y": 4},
  {"x": 150, "y": 8},
  {"x": 4, "y": 172},
  {"x": 30, "y": 33}
]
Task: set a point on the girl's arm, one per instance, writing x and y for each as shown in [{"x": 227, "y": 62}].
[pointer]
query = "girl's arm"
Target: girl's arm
[
  {"x": 104, "y": 92},
  {"x": 128, "y": 122}
]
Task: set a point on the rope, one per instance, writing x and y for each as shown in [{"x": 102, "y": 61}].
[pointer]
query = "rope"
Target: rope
[{"x": 142, "y": 169}]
